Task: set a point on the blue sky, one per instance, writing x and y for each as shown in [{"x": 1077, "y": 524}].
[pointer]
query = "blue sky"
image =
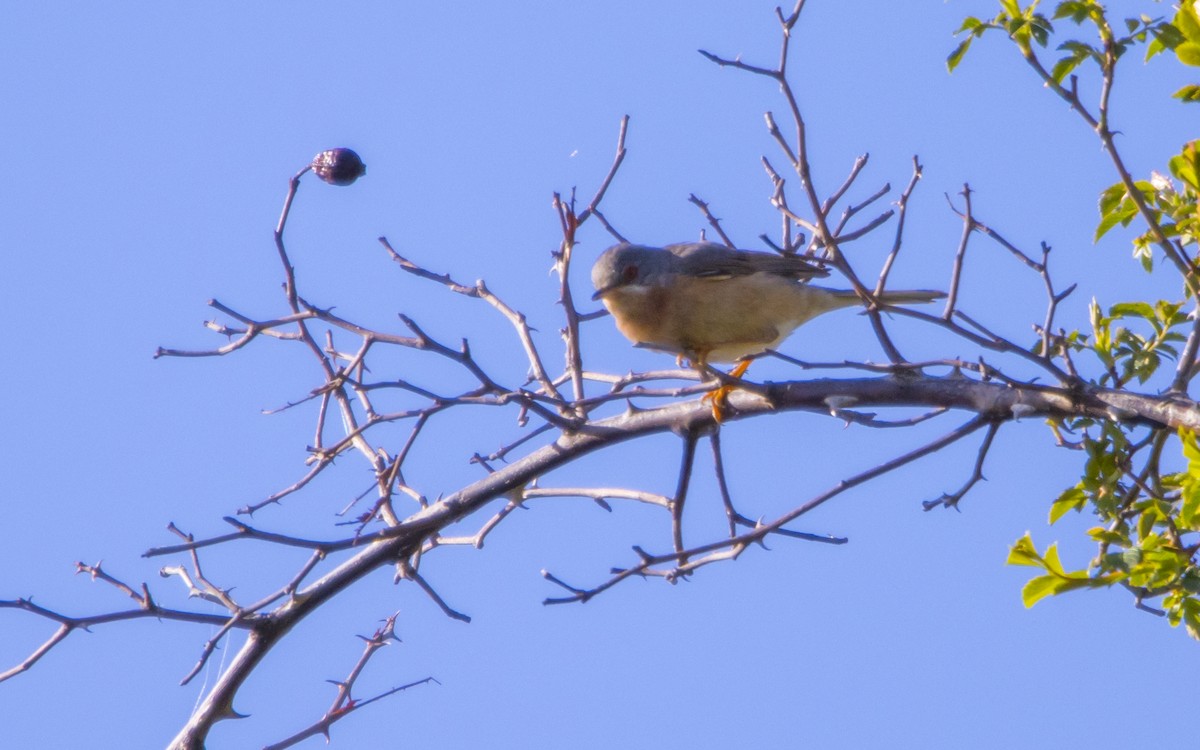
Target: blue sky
[{"x": 148, "y": 148}]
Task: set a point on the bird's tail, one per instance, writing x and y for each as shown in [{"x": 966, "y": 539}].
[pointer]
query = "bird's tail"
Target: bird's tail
[
  {"x": 901, "y": 297},
  {"x": 910, "y": 296}
]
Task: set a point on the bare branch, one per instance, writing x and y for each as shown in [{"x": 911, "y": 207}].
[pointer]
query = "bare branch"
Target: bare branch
[
  {"x": 950, "y": 500},
  {"x": 713, "y": 221},
  {"x": 343, "y": 703}
]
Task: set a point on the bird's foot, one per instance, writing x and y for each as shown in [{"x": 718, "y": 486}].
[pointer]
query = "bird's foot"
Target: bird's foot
[{"x": 719, "y": 397}]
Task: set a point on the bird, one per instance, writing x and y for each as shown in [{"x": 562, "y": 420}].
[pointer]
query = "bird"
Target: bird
[{"x": 711, "y": 303}]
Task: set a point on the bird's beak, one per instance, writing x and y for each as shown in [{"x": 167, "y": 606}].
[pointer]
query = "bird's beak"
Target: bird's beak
[{"x": 603, "y": 291}]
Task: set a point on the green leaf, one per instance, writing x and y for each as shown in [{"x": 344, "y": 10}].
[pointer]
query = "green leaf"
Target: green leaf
[
  {"x": 1187, "y": 20},
  {"x": 1018, "y": 29},
  {"x": 1145, "y": 524},
  {"x": 1166, "y": 37},
  {"x": 1121, "y": 216},
  {"x": 1185, "y": 165},
  {"x": 1189, "y": 53},
  {"x": 1079, "y": 48},
  {"x": 1111, "y": 197},
  {"x": 1077, "y": 11},
  {"x": 1011, "y": 7},
  {"x": 1071, "y": 499},
  {"x": 1168, "y": 313},
  {"x": 1051, "y": 561},
  {"x": 1051, "y": 585},
  {"x": 1189, "y": 511},
  {"x": 1107, "y": 536},
  {"x": 1113, "y": 561},
  {"x": 1191, "y": 617},
  {"x": 1146, "y": 188},
  {"x": 1132, "y": 310},
  {"x": 1189, "y": 93},
  {"x": 970, "y": 23},
  {"x": 1039, "y": 588},
  {"x": 1023, "y": 552},
  {"x": 1191, "y": 451},
  {"x": 1040, "y": 28},
  {"x": 957, "y": 55},
  {"x": 1107, "y": 223},
  {"x": 1063, "y": 68}
]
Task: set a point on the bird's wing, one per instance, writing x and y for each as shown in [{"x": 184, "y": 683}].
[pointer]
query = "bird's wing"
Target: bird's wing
[{"x": 710, "y": 260}]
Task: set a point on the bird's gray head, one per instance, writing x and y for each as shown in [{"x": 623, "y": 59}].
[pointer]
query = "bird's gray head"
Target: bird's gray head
[{"x": 626, "y": 265}]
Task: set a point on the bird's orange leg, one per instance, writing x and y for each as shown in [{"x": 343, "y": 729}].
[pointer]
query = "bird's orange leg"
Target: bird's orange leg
[{"x": 719, "y": 396}]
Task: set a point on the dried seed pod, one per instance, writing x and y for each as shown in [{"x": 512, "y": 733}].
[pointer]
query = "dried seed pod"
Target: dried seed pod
[{"x": 338, "y": 166}]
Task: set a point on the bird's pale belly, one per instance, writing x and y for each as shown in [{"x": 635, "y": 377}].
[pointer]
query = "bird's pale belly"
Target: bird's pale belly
[{"x": 717, "y": 320}]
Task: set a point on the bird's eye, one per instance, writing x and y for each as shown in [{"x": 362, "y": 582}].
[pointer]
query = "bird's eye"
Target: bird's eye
[{"x": 629, "y": 274}]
